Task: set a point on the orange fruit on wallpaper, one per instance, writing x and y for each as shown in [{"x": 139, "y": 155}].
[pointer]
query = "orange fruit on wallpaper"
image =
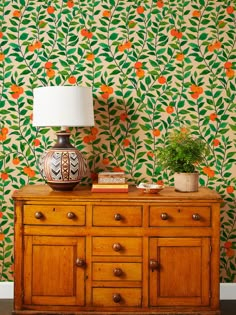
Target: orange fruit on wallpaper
[
  {"x": 90, "y": 57},
  {"x": 180, "y": 57},
  {"x": 230, "y": 9},
  {"x": 156, "y": 132},
  {"x": 50, "y": 9},
  {"x": 160, "y": 4},
  {"x": 123, "y": 116},
  {"x": 110, "y": 90},
  {"x": 229, "y": 73},
  {"x": 160, "y": 182},
  {"x": 173, "y": 32},
  {"x": 170, "y": 109},
  {"x": 2, "y": 236},
  {"x": 228, "y": 244},
  {"x": 4, "y": 176},
  {"x": 5, "y": 130},
  {"x": 104, "y": 88},
  {"x": 16, "y": 13},
  {"x": 229, "y": 252},
  {"x": 48, "y": 65},
  {"x": 217, "y": 45},
  {"x": 150, "y": 154},
  {"x": 138, "y": 65},
  {"x": 38, "y": 44},
  {"x": 94, "y": 131},
  {"x": 105, "y": 95},
  {"x": 216, "y": 142},
  {"x": 84, "y": 32},
  {"x": 50, "y": 73},
  {"x": 106, "y": 13},
  {"x": 70, "y": 4},
  {"x": 228, "y": 65},
  {"x": 126, "y": 142},
  {"x": 72, "y": 79},
  {"x": 2, "y": 56},
  {"x": 230, "y": 189},
  {"x": 121, "y": 47},
  {"x": 128, "y": 44},
  {"x": 86, "y": 139},
  {"x": 196, "y": 13},
  {"x": 140, "y": 9},
  {"x": 161, "y": 80},
  {"x": 1, "y": 35},
  {"x": 1, "y": 214},
  {"x": 140, "y": 73},
  {"x": 106, "y": 161},
  {"x": 117, "y": 169},
  {"x": 213, "y": 116},
  {"x": 36, "y": 142},
  {"x": 16, "y": 161},
  {"x": 179, "y": 35},
  {"x": 31, "y": 48},
  {"x": 211, "y": 47},
  {"x": 15, "y": 95}
]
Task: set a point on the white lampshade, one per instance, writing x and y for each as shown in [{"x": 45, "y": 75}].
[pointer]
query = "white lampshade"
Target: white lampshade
[{"x": 65, "y": 106}]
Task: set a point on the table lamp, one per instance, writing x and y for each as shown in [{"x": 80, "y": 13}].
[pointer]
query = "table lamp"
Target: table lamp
[{"x": 63, "y": 166}]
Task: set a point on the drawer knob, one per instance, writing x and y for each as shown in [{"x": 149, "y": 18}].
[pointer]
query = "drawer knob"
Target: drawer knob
[
  {"x": 153, "y": 264},
  {"x": 116, "y": 247},
  {"x": 70, "y": 215},
  {"x": 164, "y": 216},
  {"x": 117, "y": 272},
  {"x": 196, "y": 217},
  {"x": 80, "y": 262},
  {"x": 38, "y": 215},
  {"x": 116, "y": 297},
  {"x": 117, "y": 217}
]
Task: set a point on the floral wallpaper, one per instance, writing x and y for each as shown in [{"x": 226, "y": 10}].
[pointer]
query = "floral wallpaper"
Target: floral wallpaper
[{"x": 153, "y": 65}]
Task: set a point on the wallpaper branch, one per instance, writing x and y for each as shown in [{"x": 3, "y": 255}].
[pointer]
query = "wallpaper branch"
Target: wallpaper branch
[{"x": 153, "y": 65}]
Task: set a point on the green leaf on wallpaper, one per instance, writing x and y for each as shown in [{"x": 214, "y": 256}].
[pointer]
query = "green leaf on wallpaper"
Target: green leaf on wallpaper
[{"x": 232, "y": 127}]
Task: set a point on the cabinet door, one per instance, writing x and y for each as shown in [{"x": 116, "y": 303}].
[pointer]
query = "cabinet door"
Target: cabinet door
[
  {"x": 54, "y": 270},
  {"x": 179, "y": 271}
]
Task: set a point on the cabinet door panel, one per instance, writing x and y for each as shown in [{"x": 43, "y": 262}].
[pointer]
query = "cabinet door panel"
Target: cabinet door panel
[
  {"x": 182, "y": 274},
  {"x": 51, "y": 276}
]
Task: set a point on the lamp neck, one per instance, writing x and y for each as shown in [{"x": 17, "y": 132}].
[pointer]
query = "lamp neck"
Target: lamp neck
[{"x": 63, "y": 140}]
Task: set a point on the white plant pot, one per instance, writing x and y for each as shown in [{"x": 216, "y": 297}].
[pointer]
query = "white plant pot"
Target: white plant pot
[{"x": 186, "y": 182}]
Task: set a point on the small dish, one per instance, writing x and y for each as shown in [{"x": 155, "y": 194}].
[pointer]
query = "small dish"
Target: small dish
[{"x": 150, "y": 188}]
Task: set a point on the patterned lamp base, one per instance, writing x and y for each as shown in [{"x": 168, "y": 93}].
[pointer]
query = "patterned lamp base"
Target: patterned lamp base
[{"x": 62, "y": 166}]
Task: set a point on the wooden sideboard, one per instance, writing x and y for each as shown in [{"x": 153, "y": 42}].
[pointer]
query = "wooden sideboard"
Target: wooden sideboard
[{"x": 116, "y": 253}]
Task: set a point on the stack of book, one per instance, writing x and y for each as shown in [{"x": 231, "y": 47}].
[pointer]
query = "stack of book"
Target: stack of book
[{"x": 110, "y": 182}]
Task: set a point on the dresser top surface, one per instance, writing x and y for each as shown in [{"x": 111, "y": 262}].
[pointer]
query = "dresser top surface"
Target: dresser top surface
[{"x": 80, "y": 193}]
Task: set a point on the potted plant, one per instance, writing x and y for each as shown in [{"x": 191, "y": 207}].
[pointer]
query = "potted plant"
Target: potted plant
[{"x": 180, "y": 155}]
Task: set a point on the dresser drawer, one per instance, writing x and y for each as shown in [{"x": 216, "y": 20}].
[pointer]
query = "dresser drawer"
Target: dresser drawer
[
  {"x": 54, "y": 215},
  {"x": 117, "y": 246},
  {"x": 117, "y": 215},
  {"x": 180, "y": 216},
  {"x": 117, "y": 271},
  {"x": 117, "y": 297}
]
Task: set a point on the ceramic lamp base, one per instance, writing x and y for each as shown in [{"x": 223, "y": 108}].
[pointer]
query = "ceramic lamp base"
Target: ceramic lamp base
[{"x": 62, "y": 166}]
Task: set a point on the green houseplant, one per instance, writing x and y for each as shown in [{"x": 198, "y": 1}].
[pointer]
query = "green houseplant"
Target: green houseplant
[{"x": 180, "y": 155}]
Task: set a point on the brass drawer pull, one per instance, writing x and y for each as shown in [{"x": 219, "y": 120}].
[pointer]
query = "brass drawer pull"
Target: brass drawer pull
[
  {"x": 80, "y": 262},
  {"x": 196, "y": 217},
  {"x": 117, "y": 272},
  {"x": 117, "y": 217},
  {"x": 38, "y": 215},
  {"x": 71, "y": 215},
  {"x": 153, "y": 264},
  {"x": 116, "y": 297},
  {"x": 164, "y": 216},
  {"x": 116, "y": 247}
]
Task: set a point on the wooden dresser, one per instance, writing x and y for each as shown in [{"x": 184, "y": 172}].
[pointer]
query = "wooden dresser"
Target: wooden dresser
[{"x": 116, "y": 253}]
